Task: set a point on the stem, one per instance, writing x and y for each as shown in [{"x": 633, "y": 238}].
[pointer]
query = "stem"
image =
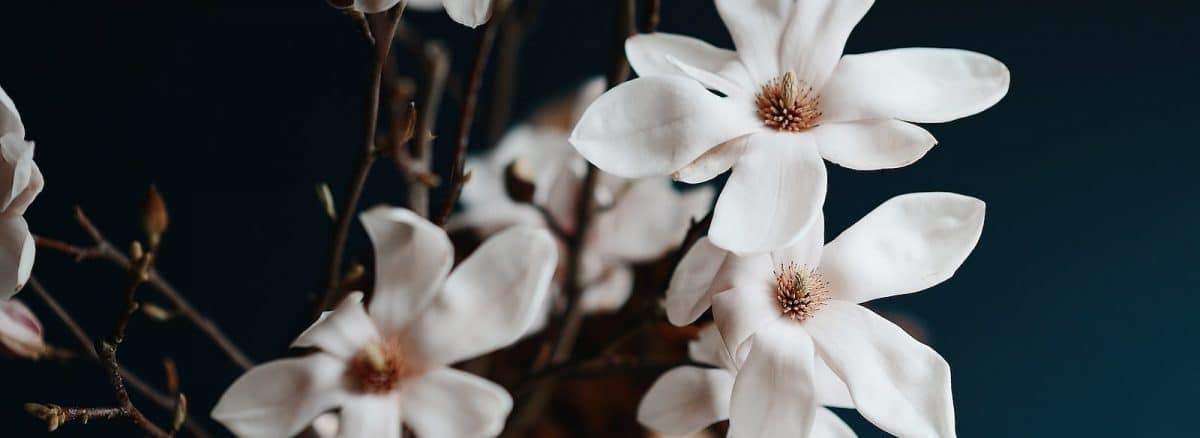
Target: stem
[
  {"x": 650, "y": 21},
  {"x": 437, "y": 68}
]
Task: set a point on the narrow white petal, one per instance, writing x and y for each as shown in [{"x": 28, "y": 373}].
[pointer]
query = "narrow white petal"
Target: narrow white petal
[
  {"x": 907, "y": 244},
  {"x": 17, "y": 251},
  {"x": 873, "y": 144},
  {"x": 656, "y": 125},
  {"x": 342, "y": 331},
  {"x": 712, "y": 163},
  {"x": 685, "y": 400},
  {"x": 281, "y": 398},
  {"x": 423, "y": 5},
  {"x": 608, "y": 290},
  {"x": 773, "y": 395},
  {"x": 470, "y": 13},
  {"x": 450, "y": 403},
  {"x": 806, "y": 252},
  {"x": 711, "y": 80},
  {"x": 695, "y": 280},
  {"x": 709, "y": 348},
  {"x": 20, "y": 178},
  {"x": 20, "y": 330},
  {"x": 371, "y": 416},
  {"x": 831, "y": 390},
  {"x": 815, "y": 36},
  {"x": 648, "y": 53},
  {"x": 829, "y": 425},
  {"x": 649, "y": 219},
  {"x": 756, "y": 27},
  {"x": 373, "y": 6},
  {"x": 490, "y": 300},
  {"x": 749, "y": 306},
  {"x": 899, "y": 384},
  {"x": 773, "y": 196},
  {"x": 412, "y": 258},
  {"x": 920, "y": 85},
  {"x": 10, "y": 119}
]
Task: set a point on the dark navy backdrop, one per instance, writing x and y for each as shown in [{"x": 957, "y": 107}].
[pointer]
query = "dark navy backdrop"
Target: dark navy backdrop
[{"x": 1074, "y": 316}]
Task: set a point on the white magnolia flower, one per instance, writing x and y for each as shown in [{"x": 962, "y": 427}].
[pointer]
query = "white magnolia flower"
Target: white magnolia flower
[
  {"x": 20, "y": 183},
  {"x": 388, "y": 364},
  {"x": 20, "y": 330},
  {"x": 783, "y": 313},
  {"x": 788, "y": 98},
  {"x": 637, "y": 220},
  {"x": 470, "y": 13},
  {"x": 687, "y": 399}
]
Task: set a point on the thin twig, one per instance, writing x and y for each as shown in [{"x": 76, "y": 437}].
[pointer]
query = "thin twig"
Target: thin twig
[
  {"x": 56, "y": 415},
  {"x": 437, "y": 67},
  {"x": 650, "y": 21},
  {"x": 504, "y": 84}
]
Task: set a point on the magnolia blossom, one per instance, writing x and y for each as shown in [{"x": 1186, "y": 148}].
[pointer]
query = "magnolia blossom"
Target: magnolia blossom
[
  {"x": 637, "y": 221},
  {"x": 20, "y": 182},
  {"x": 387, "y": 364},
  {"x": 783, "y": 101},
  {"x": 784, "y": 314},
  {"x": 466, "y": 12},
  {"x": 687, "y": 399},
  {"x": 20, "y": 330}
]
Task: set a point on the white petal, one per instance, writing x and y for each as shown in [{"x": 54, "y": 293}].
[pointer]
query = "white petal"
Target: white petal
[
  {"x": 709, "y": 348},
  {"x": 907, "y": 244},
  {"x": 920, "y": 85},
  {"x": 591, "y": 90},
  {"x": 806, "y": 252},
  {"x": 470, "y": 13},
  {"x": 423, "y": 5},
  {"x": 280, "y": 398},
  {"x": 694, "y": 282},
  {"x": 649, "y": 219},
  {"x": 831, "y": 390},
  {"x": 712, "y": 163},
  {"x": 711, "y": 80},
  {"x": 773, "y": 395},
  {"x": 449, "y": 403},
  {"x": 10, "y": 119},
  {"x": 873, "y": 144},
  {"x": 20, "y": 178},
  {"x": 20, "y": 330},
  {"x": 648, "y": 53},
  {"x": 656, "y": 125},
  {"x": 685, "y": 400},
  {"x": 609, "y": 290},
  {"x": 412, "y": 258},
  {"x": 490, "y": 300},
  {"x": 756, "y": 27},
  {"x": 749, "y": 306},
  {"x": 773, "y": 195},
  {"x": 373, "y": 6},
  {"x": 341, "y": 331},
  {"x": 815, "y": 36},
  {"x": 899, "y": 384},
  {"x": 489, "y": 218},
  {"x": 17, "y": 252},
  {"x": 829, "y": 425},
  {"x": 371, "y": 416}
]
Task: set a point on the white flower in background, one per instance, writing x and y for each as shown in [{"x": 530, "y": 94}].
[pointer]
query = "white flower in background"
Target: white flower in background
[
  {"x": 636, "y": 220},
  {"x": 687, "y": 399},
  {"x": 466, "y": 12},
  {"x": 20, "y": 182},
  {"x": 388, "y": 364},
  {"x": 783, "y": 314},
  {"x": 787, "y": 98},
  {"x": 20, "y": 330}
]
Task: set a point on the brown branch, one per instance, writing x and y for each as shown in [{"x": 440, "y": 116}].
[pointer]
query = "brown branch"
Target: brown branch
[
  {"x": 650, "y": 21},
  {"x": 504, "y": 84},
  {"x": 437, "y": 68},
  {"x": 108, "y": 358},
  {"x": 104, "y": 249},
  {"x": 56, "y": 415}
]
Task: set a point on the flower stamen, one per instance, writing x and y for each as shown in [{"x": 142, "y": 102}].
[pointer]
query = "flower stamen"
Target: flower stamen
[
  {"x": 378, "y": 368},
  {"x": 786, "y": 103},
  {"x": 801, "y": 291}
]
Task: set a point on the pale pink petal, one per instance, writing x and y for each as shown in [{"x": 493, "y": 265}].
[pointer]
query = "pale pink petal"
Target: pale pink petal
[
  {"x": 831, "y": 390},
  {"x": 685, "y": 400},
  {"x": 749, "y": 306},
  {"x": 10, "y": 119},
  {"x": 20, "y": 330},
  {"x": 490, "y": 300},
  {"x": 920, "y": 85},
  {"x": 907, "y": 244},
  {"x": 648, "y": 53},
  {"x": 341, "y": 331},
  {"x": 648, "y": 219},
  {"x": 17, "y": 252},
  {"x": 899, "y": 384},
  {"x": 709, "y": 348},
  {"x": 656, "y": 125},
  {"x": 873, "y": 144},
  {"x": 449, "y": 403},
  {"x": 828, "y": 425},
  {"x": 371, "y": 416},
  {"x": 373, "y": 6},
  {"x": 773, "y": 196},
  {"x": 712, "y": 80},
  {"x": 412, "y": 258},
  {"x": 608, "y": 290},
  {"x": 282, "y": 397},
  {"x": 712, "y": 163},
  {"x": 815, "y": 36},
  {"x": 773, "y": 395},
  {"x": 470, "y": 13},
  {"x": 695, "y": 280},
  {"x": 20, "y": 178}
]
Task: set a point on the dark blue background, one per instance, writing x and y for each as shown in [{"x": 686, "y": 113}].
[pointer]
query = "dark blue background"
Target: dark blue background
[{"x": 1074, "y": 316}]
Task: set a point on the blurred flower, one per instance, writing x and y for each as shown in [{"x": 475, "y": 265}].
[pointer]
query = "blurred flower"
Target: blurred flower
[
  {"x": 20, "y": 330},
  {"x": 389, "y": 365},
  {"x": 778, "y": 311},
  {"x": 466, "y": 12},
  {"x": 687, "y": 399},
  {"x": 785, "y": 99},
  {"x": 20, "y": 183},
  {"x": 636, "y": 221}
]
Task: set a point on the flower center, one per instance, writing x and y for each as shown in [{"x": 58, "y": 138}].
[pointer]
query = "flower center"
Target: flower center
[
  {"x": 378, "y": 368},
  {"x": 788, "y": 104},
  {"x": 801, "y": 291}
]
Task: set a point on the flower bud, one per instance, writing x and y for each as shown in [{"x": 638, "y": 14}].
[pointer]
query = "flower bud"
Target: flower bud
[
  {"x": 518, "y": 181},
  {"x": 20, "y": 331},
  {"x": 154, "y": 216}
]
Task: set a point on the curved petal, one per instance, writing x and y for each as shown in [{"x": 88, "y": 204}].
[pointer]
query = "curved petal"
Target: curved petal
[
  {"x": 341, "y": 331},
  {"x": 773, "y": 196},
  {"x": 711, "y": 80},
  {"x": 815, "y": 36},
  {"x": 806, "y": 252},
  {"x": 373, "y": 6},
  {"x": 714, "y": 162},
  {"x": 773, "y": 395},
  {"x": 649, "y": 219},
  {"x": 608, "y": 290},
  {"x": 17, "y": 251},
  {"x": 10, "y": 119},
  {"x": 412, "y": 258},
  {"x": 450, "y": 403},
  {"x": 20, "y": 330},
  {"x": 470, "y": 13},
  {"x": 695, "y": 280},
  {"x": 756, "y": 27},
  {"x": 831, "y": 390},
  {"x": 20, "y": 178},
  {"x": 907, "y": 244},
  {"x": 648, "y": 53},
  {"x": 490, "y": 300},
  {"x": 873, "y": 144},
  {"x": 749, "y": 306},
  {"x": 829, "y": 425},
  {"x": 685, "y": 400},
  {"x": 920, "y": 85},
  {"x": 488, "y": 218},
  {"x": 709, "y": 348},
  {"x": 371, "y": 416},
  {"x": 656, "y": 125},
  {"x": 589, "y": 91},
  {"x": 899, "y": 384},
  {"x": 280, "y": 398}
]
